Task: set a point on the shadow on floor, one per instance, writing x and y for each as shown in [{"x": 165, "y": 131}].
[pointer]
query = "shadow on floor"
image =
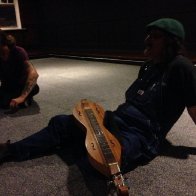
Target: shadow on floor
[{"x": 33, "y": 109}]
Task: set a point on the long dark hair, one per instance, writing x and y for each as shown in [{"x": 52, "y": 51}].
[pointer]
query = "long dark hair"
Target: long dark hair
[{"x": 175, "y": 46}]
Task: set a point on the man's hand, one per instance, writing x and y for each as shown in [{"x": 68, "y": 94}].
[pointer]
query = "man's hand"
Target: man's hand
[{"x": 15, "y": 102}]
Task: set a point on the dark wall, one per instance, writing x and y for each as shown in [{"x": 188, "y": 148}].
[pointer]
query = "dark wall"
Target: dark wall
[
  {"x": 30, "y": 12},
  {"x": 29, "y": 35},
  {"x": 88, "y": 24}
]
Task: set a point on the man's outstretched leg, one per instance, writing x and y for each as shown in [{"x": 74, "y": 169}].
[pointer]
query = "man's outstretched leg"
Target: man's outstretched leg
[{"x": 61, "y": 130}]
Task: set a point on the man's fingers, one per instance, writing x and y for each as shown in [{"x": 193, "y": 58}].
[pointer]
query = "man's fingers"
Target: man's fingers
[{"x": 13, "y": 104}]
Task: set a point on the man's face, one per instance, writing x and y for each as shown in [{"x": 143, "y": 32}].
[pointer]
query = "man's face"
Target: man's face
[{"x": 155, "y": 43}]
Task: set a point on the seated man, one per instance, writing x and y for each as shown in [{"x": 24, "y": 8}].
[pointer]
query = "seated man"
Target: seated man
[
  {"x": 17, "y": 75},
  {"x": 166, "y": 84}
]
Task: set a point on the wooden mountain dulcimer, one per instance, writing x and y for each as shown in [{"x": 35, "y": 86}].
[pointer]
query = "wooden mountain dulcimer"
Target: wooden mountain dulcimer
[{"x": 104, "y": 150}]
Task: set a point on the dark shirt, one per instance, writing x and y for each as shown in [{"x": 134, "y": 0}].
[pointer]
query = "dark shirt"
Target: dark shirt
[
  {"x": 161, "y": 92},
  {"x": 13, "y": 71}
]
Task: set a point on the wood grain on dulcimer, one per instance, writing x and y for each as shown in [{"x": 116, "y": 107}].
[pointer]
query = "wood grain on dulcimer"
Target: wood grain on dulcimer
[{"x": 103, "y": 148}]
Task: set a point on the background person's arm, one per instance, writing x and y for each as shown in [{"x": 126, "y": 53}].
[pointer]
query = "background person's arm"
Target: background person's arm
[{"x": 30, "y": 83}]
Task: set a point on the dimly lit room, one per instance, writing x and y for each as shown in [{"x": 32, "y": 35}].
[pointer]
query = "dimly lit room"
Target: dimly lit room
[{"x": 105, "y": 99}]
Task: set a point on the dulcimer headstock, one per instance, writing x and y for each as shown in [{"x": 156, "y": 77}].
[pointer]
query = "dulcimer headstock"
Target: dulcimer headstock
[{"x": 121, "y": 187}]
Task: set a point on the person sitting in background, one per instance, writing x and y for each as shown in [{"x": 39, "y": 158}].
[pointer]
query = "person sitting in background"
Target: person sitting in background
[
  {"x": 17, "y": 74},
  {"x": 165, "y": 85}
]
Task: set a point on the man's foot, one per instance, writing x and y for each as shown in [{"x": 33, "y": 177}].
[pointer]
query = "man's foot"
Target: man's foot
[{"x": 4, "y": 152}]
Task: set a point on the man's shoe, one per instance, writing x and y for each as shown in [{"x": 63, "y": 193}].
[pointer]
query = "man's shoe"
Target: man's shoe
[{"x": 4, "y": 152}]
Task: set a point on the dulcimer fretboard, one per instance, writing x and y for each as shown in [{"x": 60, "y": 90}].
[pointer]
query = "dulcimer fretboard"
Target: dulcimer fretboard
[{"x": 107, "y": 153}]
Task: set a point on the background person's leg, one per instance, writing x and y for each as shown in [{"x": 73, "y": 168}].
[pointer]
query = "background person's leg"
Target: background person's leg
[{"x": 34, "y": 92}]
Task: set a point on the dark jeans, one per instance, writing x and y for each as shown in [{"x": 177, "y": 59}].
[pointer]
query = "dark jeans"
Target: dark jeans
[
  {"x": 7, "y": 95},
  {"x": 62, "y": 130}
]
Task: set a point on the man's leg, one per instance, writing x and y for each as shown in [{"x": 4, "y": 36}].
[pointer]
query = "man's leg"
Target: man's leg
[
  {"x": 60, "y": 130},
  {"x": 138, "y": 142},
  {"x": 34, "y": 92}
]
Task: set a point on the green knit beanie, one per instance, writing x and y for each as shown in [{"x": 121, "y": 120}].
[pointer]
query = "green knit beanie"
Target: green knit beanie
[{"x": 170, "y": 26}]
